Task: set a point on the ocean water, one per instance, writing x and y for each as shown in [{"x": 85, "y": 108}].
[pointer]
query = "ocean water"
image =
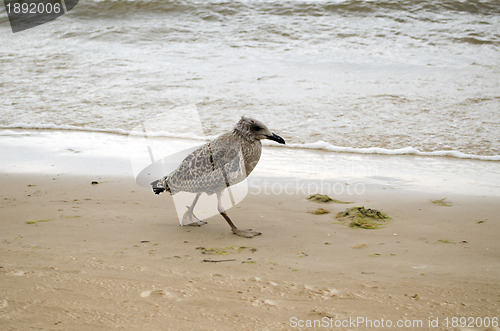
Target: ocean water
[{"x": 384, "y": 77}]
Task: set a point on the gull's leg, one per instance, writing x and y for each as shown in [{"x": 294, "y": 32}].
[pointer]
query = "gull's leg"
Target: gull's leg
[
  {"x": 243, "y": 233},
  {"x": 189, "y": 218}
]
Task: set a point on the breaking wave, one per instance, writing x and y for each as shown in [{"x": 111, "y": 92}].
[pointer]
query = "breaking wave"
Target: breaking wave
[{"x": 318, "y": 145}]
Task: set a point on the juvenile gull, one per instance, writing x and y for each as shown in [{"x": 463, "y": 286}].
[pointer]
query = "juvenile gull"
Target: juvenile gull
[{"x": 220, "y": 163}]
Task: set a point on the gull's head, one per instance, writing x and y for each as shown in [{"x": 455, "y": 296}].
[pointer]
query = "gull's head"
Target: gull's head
[{"x": 252, "y": 129}]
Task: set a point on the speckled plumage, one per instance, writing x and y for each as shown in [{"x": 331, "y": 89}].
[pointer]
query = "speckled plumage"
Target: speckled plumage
[{"x": 222, "y": 162}]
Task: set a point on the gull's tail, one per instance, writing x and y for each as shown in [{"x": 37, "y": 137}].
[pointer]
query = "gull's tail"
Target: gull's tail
[{"x": 160, "y": 186}]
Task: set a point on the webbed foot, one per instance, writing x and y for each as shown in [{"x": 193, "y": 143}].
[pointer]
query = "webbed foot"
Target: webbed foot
[
  {"x": 246, "y": 233},
  {"x": 197, "y": 223},
  {"x": 190, "y": 219}
]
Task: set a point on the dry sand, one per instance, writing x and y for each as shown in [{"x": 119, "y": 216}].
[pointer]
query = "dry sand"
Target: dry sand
[{"x": 113, "y": 255}]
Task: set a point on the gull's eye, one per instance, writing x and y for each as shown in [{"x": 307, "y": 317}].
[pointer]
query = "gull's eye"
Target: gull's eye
[{"x": 255, "y": 127}]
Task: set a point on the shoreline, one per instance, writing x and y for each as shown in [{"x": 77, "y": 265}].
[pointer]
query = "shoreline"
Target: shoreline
[
  {"x": 318, "y": 146},
  {"x": 85, "y": 153}
]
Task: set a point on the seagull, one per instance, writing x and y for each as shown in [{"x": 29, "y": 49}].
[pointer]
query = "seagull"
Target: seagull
[{"x": 217, "y": 165}]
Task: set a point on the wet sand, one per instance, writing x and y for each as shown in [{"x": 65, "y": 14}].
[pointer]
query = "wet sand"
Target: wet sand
[{"x": 77, "y": 256}]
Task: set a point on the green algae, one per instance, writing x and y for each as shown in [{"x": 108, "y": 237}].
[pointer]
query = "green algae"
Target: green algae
[
  {"x": 319, "y": 211},
  {"x": 38, "y": 221},
  {"x": 225, "y": 250},
  {"x": 249, "y": 262},
  {"x": 442, "y": 202},
  {"x": 360, "y": 217},
  {"x": 324, "y": 199}
]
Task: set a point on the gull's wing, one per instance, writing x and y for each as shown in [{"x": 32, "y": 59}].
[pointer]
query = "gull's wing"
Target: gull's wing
[{"x": 211, "y": 168}]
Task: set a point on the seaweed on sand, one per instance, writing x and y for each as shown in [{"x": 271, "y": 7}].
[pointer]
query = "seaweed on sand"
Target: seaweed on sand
[
  {"x": 319, "y": 211},
  {"x": 360, "y": 217},
  {"x": 323, "y": 198},
  {"x": 442, "y": 202}
]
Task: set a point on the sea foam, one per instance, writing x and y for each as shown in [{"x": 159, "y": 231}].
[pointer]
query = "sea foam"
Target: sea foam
[{"x": 317, "y": 145}]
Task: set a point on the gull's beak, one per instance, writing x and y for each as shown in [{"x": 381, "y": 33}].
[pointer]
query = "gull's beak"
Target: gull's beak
[{"x": 276, "y": 138}]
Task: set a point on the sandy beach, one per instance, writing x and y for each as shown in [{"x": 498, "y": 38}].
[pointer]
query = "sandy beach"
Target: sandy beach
[{"x": 83, "y": 256}]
